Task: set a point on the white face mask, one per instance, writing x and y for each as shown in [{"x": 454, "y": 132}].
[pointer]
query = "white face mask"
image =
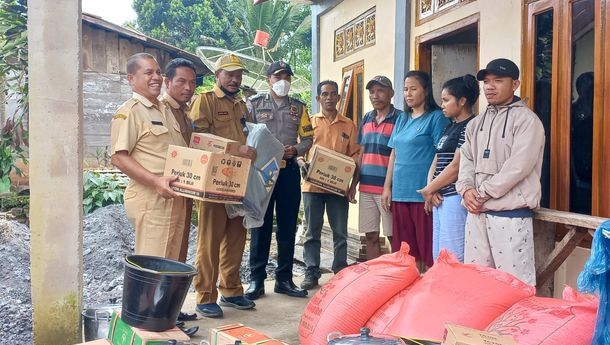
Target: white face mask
[{"x": 281, "y": 87}]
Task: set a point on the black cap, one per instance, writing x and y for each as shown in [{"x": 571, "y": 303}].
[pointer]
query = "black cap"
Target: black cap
[
  {"x": 500, "y": 67},
  {"x": 279, "y": 66},
  {"x": 379, "y": 79}
]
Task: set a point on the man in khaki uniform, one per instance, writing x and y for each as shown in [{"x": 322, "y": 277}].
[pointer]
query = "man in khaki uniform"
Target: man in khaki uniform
[
  {"x": 221, "y": 240},
  {"x": 141, "y": 132},
  {"x": 180, "y": 83}
]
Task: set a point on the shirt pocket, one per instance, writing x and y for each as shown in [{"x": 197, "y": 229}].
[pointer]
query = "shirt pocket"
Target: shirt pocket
[
  {"x": 158, "y": 130},
  {"x": 486, "y": 166}
]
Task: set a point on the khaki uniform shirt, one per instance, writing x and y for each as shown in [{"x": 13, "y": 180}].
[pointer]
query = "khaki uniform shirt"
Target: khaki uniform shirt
[
  {"x": 217, "y": 113},
  {"x": 145, "y": 131},
  {"x": 288, "y": 121},
  {"x": 180, "y": 114},
  {"x": 340, "y": 135}
]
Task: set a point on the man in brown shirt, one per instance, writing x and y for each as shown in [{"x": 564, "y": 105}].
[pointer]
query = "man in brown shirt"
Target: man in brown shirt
[
  {"x": 141, "y": 132},
  {"x": 338, "y": 133},
  {"x": 221, "y": 240},
  {"x": 180, "y": 77}
]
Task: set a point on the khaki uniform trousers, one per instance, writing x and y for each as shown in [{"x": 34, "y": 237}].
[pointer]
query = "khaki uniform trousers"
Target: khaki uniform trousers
[
  {"x": 503, "y": 243},
  {"x": 184, "y": 246},
  {"x": 220, "y": 247},
  {"x": 159, "y": 222}
]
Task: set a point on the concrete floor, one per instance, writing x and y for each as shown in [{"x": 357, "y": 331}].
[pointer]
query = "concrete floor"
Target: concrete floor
[{"x": 275, "y": 315}]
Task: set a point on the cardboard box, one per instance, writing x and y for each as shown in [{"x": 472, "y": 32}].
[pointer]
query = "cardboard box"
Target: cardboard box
[
  {"x": 96, "y": 342},
  {"x": 214, "y": 143},
  {"x": 459, "y": 335},
  {"x": 208, "y": 176},
  {"x": 230, "y": 333},
  {"x": 330, "y": 170},
  {"x": 121, "y": 333}
]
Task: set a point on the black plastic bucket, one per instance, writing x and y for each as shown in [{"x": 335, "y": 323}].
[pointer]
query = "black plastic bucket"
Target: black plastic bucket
[{"x": 154, "y": 290}]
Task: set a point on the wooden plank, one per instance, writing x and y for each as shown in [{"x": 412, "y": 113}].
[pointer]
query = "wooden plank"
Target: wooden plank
[
  {"x": 112, "y": 53},
  {"x": 568, "y": 218},
  {"x": 560, "y": 254},
  {"x": 124, "y": 54},
  {"x": 99, "y": 50},
  {"x": 87, "y": 47},
  {"x": 544, "y": 244}
]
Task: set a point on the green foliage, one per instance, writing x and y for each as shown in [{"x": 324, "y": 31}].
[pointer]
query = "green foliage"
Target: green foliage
[
  {"x": 13, "y": 68},
  {"x": 10, "y": 201},
  {"x": 14, "y": 51},
  {"x": 101, "y": 190},
  {"x": 231, "y": 24},
  {"x": 186, "y": 24}
]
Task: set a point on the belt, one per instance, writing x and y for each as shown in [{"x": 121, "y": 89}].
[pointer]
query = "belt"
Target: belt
[{"x": 286, "y": 163}]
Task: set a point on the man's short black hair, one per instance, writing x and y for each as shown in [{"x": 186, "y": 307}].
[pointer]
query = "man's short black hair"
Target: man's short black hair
[
  {"x": 327, "y": 82},
  {"x": 170, "y": 69},
  {"x": 132, "y": 62}
]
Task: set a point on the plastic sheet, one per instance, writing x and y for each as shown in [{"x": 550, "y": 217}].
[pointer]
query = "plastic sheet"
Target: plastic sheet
[
  {"x": 595, "y": 278},
  {"x": 262, "y": 176}
]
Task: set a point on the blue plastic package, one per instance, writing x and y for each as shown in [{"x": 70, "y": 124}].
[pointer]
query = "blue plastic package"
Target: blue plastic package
[{"x": 595, "y": 278}]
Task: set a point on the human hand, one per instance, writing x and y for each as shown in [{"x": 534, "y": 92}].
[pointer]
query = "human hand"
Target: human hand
[
  {"x": 303, "y": 167},
  {"x": 246, "y": 151},
  {"x": 425, "y": 193},
  {"x": 386, "y": 199},
  {"x": 163, "y": 186},
  {"x": 427, "y": 207},
  {"x": 289, "y": 152},
  {"x": 436, "y": 199},
  {"x": 471, "y": 202},
  {"x": 351, "y": 195}
]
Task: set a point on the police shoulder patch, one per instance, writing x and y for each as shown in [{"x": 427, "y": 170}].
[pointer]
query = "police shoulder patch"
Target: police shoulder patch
[{"x": 296, "y": 100}]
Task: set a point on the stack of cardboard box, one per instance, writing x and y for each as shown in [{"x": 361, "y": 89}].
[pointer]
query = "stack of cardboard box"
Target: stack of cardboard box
[{"x": 209, "y": 170}]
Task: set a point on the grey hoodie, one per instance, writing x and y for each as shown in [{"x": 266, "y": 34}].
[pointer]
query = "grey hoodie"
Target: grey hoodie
[{"x": 502, "y": 157}]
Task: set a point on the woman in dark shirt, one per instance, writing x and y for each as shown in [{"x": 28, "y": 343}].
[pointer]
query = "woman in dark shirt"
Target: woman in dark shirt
[{"x": 448, "y": 215}]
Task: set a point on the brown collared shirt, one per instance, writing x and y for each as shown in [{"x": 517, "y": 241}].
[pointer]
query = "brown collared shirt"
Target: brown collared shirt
[
  {"x": 180, "y": 112},
  {"x": 144, "y": 130},
  {"x": 340, "y": 135},
  {"x": 219, "y": 114}
]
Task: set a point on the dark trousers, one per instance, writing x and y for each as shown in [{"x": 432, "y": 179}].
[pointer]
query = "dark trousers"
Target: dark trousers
[
  {"x": 285, "y": 200},
  {"x": 337, "y": 209}
]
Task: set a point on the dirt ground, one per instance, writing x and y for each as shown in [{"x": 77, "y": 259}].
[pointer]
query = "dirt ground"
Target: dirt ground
[{"x": 107, "y": 238}]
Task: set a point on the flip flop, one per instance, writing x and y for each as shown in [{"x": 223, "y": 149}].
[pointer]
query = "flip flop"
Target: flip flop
[{"x": 190, "y": 331}]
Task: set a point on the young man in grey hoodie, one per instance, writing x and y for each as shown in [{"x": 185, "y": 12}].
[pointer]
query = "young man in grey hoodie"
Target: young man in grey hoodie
[{"x": 499, "y": 176}]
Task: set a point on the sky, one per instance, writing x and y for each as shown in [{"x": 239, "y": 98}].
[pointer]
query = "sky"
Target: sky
[{"x": 114, "y": 11}]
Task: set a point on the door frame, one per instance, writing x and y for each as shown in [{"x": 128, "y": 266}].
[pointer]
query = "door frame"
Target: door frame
[{"x": 561, "y": 98}]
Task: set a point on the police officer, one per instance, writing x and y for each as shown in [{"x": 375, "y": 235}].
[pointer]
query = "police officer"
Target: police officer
[
  {"x": 221, "y": 241},
  {"x": 141, "y": 131},
  {"x": 288, "y": 120}
]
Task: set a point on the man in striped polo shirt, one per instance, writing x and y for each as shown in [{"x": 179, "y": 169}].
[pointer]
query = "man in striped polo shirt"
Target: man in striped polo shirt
[{"x": 374, "y": 134}]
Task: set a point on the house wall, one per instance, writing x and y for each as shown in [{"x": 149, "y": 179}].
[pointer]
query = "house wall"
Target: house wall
[
  {"x": 500, "y": 26},
  {"x": 378, "y": 59}
]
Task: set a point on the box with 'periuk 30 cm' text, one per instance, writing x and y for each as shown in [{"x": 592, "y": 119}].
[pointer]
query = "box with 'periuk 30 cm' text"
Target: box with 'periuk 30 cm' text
[
  {"x": 330, "y": 170},
  {"x": 207, "y": 176}
]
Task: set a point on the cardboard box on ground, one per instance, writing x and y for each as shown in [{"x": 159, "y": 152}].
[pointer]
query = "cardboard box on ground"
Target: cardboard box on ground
[
  {"x": 207, "y": 176},
  {"x": 459, "y": 335},
  {"x": 330, "y": 170},
  {"x": 214, "y": 143},
  {"x": 230, "y": 333}
]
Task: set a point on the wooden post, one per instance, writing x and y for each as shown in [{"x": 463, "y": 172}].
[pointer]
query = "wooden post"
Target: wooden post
[{"x": 56, "y": 169}]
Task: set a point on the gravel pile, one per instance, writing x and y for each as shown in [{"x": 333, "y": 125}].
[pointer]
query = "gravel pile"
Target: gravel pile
[
  {"x": 107, "y": 238},
  {"x": 15, "y": 298}
]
